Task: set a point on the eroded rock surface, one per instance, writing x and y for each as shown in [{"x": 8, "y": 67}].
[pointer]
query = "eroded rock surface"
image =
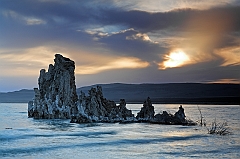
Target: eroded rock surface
[
  {"x": 147, "y": 114},
  {"x": 147, "y": 111},
  {"x": 168, "y": 118},
  {"x": 56, "y": 96},
  {"x": 95, "y": 108}
]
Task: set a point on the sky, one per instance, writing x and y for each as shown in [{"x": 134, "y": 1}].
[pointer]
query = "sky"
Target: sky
[{"x": 121, "y": 41}]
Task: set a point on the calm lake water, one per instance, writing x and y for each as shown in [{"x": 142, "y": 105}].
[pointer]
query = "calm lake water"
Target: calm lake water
[{"x": 23, "y": 137}]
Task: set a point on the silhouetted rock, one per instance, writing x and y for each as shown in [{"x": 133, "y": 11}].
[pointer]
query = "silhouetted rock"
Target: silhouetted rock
[
  {"x": 177, "y": 119},
  {"x": 180, "y": 115},
  {"x": 147, "y": 111},
  {"x": 56, "y": 96},
  {"x": 164, "y": 118},
  {"x": 147, "y": 115},
  {"x": 125, "y": 113}
]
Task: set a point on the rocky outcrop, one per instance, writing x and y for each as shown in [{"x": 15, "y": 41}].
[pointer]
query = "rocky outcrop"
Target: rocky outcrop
[
  {"x": 56, "y": 96},
  {"x": 95, "y": 108},
  {"x": 147, "y": 111},
  {"x": 146, "y": 114},
  {"x": 167, "y": 118}
]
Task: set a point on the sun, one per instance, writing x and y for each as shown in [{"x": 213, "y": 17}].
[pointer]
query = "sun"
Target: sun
[{"x": 176, "y": 58}]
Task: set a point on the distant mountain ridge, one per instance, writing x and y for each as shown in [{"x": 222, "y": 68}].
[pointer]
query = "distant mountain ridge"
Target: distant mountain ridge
[
  {"x": 159, "y": 93},
  {"x": 21, "y": 96},
  {"x": 172, "y": 92}
]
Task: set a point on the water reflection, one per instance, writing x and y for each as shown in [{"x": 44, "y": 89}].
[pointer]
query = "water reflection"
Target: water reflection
[{"x": 53, "y": 124}]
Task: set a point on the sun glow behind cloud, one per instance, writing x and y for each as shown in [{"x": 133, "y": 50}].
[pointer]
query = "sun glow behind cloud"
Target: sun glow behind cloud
[{"x": 176, "y": 58}]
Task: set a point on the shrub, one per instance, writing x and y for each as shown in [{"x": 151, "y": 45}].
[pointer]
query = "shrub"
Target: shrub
[{"x": 219, "y": 128}]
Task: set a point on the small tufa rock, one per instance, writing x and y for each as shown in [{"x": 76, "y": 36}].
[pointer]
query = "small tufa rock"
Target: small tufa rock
[
  {"x": 147, "y": 111},
  {"x": 146, "y": 114},
  {"x": 180, "y": 115},
  {"x": 166, "y": 118}
]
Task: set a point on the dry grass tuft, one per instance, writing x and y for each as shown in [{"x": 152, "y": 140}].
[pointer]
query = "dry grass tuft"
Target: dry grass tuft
[{"x": 219, "y": 128}]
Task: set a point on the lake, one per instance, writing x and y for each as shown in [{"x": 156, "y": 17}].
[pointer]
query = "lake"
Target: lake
[{"x": 23, "y": 137}]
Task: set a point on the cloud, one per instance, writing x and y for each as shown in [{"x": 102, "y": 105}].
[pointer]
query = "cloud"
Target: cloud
[
  {"x": 231, "y": 55},
  {"x": 27, "y": 62},
  {"x": 100, "y": 35},
  {"x": 27, "y": 20},
  {"x": 90, "y": 13},
  {"x": 34, "y": 21},
  {"x": 166, "y": 5},
  {"x": 30, "y": 61},
  {"x": 140, "y": 36},
  {"x": 234, "y": 81},
  {"x": 113, "y": 64},
  {"x": 132, "y": 43}
]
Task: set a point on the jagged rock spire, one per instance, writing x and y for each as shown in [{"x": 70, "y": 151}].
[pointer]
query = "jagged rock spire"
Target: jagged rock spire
[
  {"x": 147, "y": 111},
  {"x": 56, "y": 96}
]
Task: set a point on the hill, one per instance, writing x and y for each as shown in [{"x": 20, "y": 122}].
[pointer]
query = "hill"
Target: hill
[
  {"x": 21, "y": 96},
  {"x": 196, "y": 93},
  {"x": 191, "y": 93}
]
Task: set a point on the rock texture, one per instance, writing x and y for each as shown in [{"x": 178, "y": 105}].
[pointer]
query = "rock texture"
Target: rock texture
[
  {"x": 56, "y": 96},
  {"x": 95, "y": 108},
  {"x": 147, "y": 111},
  {"x": 166, "y": 118},
  {"x": 146, "y": 114}
]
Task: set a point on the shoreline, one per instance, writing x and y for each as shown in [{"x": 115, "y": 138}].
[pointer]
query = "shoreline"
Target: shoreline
[{"x": 200, "y": 101}]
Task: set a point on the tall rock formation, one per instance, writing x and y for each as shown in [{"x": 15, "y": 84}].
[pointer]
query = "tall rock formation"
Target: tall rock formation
[{"x": 56, "y": 96}]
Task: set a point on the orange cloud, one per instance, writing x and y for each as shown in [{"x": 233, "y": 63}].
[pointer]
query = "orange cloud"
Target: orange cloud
[
  {"x": 233, "y": 81},
  {"x": 26, "y": 61},
  {"x": 204, "y": 35},
  {"x": 30, "y": 61},
  {"x": 114, "y": 63},
  {"x": 231, "y": 55}
]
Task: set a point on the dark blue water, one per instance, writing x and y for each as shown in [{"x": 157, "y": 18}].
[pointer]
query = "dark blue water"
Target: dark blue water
[{"x": 22, "y": 137}]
